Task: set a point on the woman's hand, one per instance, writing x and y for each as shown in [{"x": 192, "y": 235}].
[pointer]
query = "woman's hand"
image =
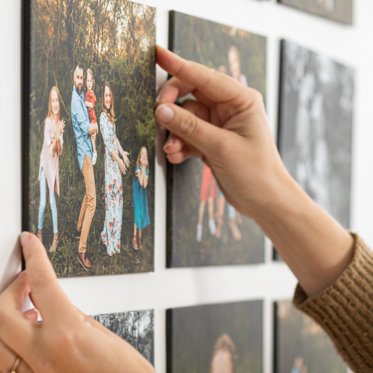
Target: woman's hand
[
  {"x": 66, "y": 340},
  {"x": 226, "y": 125},
  {"x": 126, "y": 160},
  {"x": 122, "y": 166}
]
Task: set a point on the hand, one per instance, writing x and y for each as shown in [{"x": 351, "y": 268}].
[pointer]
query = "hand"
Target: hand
[
  {"x": 89, "y": 104},
  {"x": 60, "y": 129},
  {"x": 226, "y": 125},
  {"x": 125, "y": 155},
  {"x": 122, "y": 166},
  {"x": 66, "y": 340},
  {"x": 93, "y": 129}
]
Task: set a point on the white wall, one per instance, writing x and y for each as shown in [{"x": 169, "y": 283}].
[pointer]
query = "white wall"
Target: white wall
[{"x": 178, "y": 287}]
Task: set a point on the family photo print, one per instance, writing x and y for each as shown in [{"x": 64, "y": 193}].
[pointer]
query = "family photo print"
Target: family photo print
[
  {"x": 203, "y": 228},
  {"x": 89, "y": 134}
]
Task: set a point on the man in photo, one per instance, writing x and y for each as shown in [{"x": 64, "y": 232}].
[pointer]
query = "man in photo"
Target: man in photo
[{"x": 84, "y": 131}]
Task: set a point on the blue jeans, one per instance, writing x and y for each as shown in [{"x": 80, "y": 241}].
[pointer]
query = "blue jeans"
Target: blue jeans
[{"x": 43, "y": 203}]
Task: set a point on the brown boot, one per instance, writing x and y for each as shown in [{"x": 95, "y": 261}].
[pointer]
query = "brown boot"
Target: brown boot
[
  {"x": 84, "y": 261},
  {"x": 54, "y": 246},
  {"x": 40, "y": 235}
]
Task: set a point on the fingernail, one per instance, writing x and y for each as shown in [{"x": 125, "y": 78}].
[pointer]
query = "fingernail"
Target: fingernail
[
  {"x": 159, "y": 97},
  {"x": 164, "y": 114},
  {"x": 170, "y": 141},
  {"x": 25, "y": 237}
]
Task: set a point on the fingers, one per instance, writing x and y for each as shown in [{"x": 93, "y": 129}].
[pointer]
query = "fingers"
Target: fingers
[
  {"x": 214, "y": 85},
  {"x": 7, "y": 359},
  {"x": 198, "y": 133},
  {"x": 46, "y": 293},
  {"x": 16, "y": 331}
]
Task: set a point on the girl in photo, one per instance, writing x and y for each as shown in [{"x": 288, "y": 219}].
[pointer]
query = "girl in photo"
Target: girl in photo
[
  {"x": 223, "y": 355},
  {"x": 115, "y": 166},
  {"x": 90, "y": 102},
  {"x": 140, "y": 198},
  {"x": 49, "y": 164}
]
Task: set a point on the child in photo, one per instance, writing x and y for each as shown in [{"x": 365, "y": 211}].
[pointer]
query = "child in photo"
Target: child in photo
[
  {"x": 208, "y": 193},
  {"x": 140, "y": 198},
  {"x": 223, "y": 355},
  {"x": 90, "y": 101},
  {"x": 49, "y": 164}
]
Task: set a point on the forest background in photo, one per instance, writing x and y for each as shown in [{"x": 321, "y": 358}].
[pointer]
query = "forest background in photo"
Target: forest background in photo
[
  {"x": 116, "y": 39},
  {"x": 193, "y": 331},
  {"x": 136, "y": 327},
  {"x": 208, "y": 43}
]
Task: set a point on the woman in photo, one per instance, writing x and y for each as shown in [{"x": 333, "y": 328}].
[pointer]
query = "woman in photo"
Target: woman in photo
[
  {"x": 49, "y": 164},
  {"x": 114, "y": 167},
  {"x": 140, "y": 198}
]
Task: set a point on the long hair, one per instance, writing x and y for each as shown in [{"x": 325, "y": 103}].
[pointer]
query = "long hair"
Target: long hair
[
  {"x": 138, "y": 161},
  {"x": 109, "y": 112},
  {"x": 50, "y": 111}
]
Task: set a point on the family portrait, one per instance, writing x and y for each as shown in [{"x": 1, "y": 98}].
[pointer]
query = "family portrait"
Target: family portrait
[
  {"x": 90, "y": 134},
  {"x": 316, "y": 126},
  {"x": 336, "y": 10},
  {"x": 135, "y": 327},
  {"x": 216, "y": 338},
  {"x": 301, "y": 346},
  {"x": 204, "y": 229}
]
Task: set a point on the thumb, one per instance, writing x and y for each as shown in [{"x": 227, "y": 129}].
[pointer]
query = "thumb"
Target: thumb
[{"x": 203, "y": 135}]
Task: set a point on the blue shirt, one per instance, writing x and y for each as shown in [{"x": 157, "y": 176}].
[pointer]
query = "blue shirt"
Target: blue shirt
[{"x": 81, "y": 125}]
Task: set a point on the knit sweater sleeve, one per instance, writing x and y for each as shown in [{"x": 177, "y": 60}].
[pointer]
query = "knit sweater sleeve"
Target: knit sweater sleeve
[{"x": 345, "y": 309}]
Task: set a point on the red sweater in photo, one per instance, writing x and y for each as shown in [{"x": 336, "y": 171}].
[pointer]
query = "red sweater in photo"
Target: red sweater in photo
[{"x": 91, "y": 97}]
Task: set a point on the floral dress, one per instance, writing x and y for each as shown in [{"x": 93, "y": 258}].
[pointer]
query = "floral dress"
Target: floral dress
[{"x": 110, "y": 234}]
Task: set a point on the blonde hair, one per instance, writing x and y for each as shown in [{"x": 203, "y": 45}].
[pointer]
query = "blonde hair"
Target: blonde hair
[
  {"x": 109, "y": 112},
  {"x": 225, "y": 343},
  {"x": 138, "y": 162},
  {"x": 50, "y": 111},
  {"x": 90, "y": 72}
]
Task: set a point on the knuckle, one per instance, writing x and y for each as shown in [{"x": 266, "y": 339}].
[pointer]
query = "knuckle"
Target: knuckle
[
  {"x": 256, "y": 96},
  {"x": 188, "y": 125}
]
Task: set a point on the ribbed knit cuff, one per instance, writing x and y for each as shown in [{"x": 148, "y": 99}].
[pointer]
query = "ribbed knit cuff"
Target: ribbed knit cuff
[{"x": 345, "y": 309}]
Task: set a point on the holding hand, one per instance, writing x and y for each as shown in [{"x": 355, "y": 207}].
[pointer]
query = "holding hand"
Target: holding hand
[
  {"x": 125, "y": 155},
  {"x": 226, "y": 126},
  {"x": 66, "y": 340},
  {"x": 122, "y": 166}
]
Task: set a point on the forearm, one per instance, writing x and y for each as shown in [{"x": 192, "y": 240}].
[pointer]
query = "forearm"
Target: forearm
[
  {"x": 313, "y": 244},
  {"x": 119, "y": 146},
  {"x": 115, "y": 156}
]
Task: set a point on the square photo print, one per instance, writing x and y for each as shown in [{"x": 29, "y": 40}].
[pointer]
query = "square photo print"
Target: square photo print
[
  {"x": 216, "y": 338},
  {"x": 336, "y": 10},
  {"x": 300, "y": 345},
  {"x": 136, "y": 327},
  {"x": 203, "y": 228},
  {"x": 89, "y": 134},
  {"x": 316, "y": 126}
]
